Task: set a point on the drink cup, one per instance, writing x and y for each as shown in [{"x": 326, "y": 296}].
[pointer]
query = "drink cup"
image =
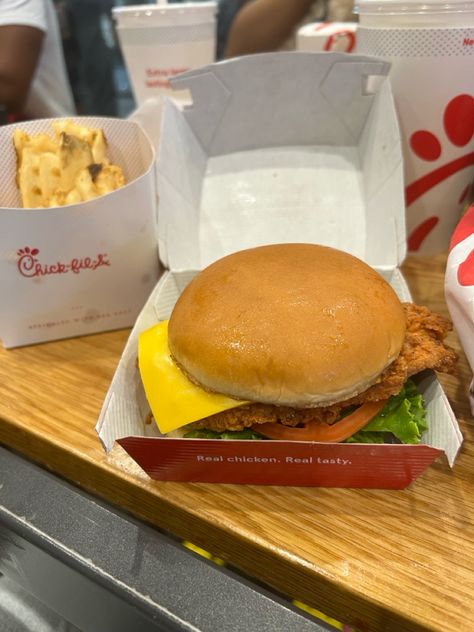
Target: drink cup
[
  {"x": 338, "y": 37},
  {"x": 431, "y": 48},
  {"x": 459, "y": 287},
  {"x": 164, "y": 40}
]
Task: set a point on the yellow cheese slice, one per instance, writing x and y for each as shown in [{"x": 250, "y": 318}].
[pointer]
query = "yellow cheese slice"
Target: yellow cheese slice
[{"x": 174, "y": 400}]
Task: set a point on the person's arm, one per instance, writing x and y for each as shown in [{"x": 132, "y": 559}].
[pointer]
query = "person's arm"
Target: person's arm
[
  {"x": 264, "y": 25},
  {"x": 20, "y": 48}
]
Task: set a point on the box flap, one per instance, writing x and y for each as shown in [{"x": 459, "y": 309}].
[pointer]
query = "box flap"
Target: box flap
[
  {"x": 282, "y": 147},
  {"x": 300, "y": 464},
  {"x": 443, "y": 432},
  {"x": 279, "y": 99},
  {"x": 125, "y": 408}
]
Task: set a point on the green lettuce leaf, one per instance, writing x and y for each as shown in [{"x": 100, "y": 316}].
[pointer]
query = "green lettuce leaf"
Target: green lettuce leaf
[
  {"x": 404, "y": 416},
  {"x": 367, "y": 437},
  {"x": 227, "y": 434}
]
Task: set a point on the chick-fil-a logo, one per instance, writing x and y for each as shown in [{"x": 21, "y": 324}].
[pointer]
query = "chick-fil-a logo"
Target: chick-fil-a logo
[{"x": 30, "y": 266}]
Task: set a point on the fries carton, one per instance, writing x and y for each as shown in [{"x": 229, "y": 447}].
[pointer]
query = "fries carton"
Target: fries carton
[
  {"x": 248, "y": 164},
  {"x": 82, "y": 268}
]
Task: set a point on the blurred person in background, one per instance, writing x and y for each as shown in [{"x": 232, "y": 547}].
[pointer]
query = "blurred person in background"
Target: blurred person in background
[
  {"x": 91, "y": 53},
  {"x": 257, "y": 26},
  {"x": 33, "y": 77}
]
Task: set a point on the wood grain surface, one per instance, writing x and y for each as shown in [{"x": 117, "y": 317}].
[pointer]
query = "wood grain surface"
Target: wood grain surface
[{"x": 381, "y": 560}]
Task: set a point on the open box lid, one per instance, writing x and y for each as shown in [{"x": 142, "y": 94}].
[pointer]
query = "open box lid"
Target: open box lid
[{"x": 282, "y": 147}]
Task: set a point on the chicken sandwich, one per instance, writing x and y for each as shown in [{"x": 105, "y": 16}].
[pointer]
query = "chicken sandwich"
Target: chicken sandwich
[{"x": 293, "y": 342}]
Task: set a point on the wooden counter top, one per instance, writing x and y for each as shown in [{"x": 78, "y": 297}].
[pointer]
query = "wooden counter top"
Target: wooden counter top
[{"x": 381, "y": 560}]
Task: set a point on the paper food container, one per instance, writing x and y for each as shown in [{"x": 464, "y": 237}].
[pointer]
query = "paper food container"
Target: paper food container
[
  {"x": 248, "y": 164},
  {"x": 338, "y": 37},
  {"x": 459, "y": 287},
  {"x": 82, "y": 268}
]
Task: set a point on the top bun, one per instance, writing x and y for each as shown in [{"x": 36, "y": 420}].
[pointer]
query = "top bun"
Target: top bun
[{"x": 298, "y": 325}]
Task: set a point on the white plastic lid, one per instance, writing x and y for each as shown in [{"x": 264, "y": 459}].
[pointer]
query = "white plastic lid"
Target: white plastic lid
[
  {"x": 412, "y": 6},
  {"x": 179, "y": 14}
]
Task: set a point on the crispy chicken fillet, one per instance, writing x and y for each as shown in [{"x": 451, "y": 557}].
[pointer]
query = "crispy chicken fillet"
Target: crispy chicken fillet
[{"x": 423, "y": 348}]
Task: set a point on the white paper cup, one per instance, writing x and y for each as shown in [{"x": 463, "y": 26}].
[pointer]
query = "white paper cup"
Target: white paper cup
[
  {"x": 337, "y": 37},
  {"x": 159, "y": 42},
  {"x": 431, "y": 48}
]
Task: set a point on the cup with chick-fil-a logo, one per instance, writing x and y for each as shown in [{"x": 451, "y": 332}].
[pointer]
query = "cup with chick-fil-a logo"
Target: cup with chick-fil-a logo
[
  {"x": 429, "y": 47},
  {"x": 339, "y": 37},
  {"x": 459, "y": 286}
]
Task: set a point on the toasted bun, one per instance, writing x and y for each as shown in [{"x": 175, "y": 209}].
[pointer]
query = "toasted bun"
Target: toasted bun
[{"x": 291, "y": 324}]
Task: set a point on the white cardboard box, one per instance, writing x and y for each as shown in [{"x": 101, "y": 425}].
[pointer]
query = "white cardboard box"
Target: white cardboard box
[
  {"x": 81, "y": 268},
  {"x": 286, "y": 147}
]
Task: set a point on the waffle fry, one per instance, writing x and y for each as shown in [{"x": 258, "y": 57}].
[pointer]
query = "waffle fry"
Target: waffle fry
[{"x": 72, "y": 167}]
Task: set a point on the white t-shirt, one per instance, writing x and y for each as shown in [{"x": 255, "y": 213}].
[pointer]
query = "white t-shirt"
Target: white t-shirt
[{"x": 50, "y": 93}]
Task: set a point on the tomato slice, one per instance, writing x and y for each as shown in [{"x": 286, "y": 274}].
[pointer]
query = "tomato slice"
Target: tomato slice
[{"x": 320, "y": 431}]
